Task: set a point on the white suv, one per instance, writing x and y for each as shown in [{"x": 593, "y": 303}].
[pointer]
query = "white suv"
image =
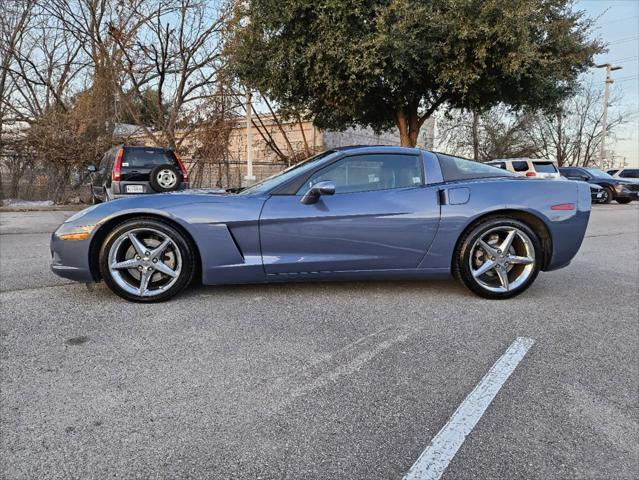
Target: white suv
[
  {"x": 627, "y": 173},
  {"x": 527, "y": 167}
]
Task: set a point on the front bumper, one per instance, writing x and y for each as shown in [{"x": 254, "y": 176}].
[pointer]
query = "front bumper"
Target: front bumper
[
  {"x": 70, "y": 258},
  {"x": 626, "y": 193}
]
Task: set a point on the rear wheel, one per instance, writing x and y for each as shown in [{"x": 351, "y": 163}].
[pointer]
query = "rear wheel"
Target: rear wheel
[
  {"x": 146, "y": 260},
  {"x": 499, "y": 258}
]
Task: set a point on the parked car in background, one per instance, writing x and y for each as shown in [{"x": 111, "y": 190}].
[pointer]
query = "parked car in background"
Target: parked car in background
[
  {"x": 128, "y": 170},
  {"x": 528, "y": 168},
  {"x": 623, "y": 191},
  {"x": 629, "y": 173}
]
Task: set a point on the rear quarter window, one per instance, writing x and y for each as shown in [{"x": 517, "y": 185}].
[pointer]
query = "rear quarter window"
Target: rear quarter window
[
  {"x": 545, "y": 167},
  {"x": 454, "y": 168},
  {"x": 147, "y": 158}
]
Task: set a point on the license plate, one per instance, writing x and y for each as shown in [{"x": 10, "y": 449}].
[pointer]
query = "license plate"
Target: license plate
[
  {"x": 134, "y": 189},
  {"x": 599, "y": 195}
]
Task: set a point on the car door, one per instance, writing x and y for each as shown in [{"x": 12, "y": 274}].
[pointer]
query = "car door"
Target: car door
[
  {"x": 98, "y": 184},
  {"x": 381, "y": 217}
]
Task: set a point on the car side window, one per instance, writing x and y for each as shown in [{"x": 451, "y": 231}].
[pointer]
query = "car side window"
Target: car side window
[
  {"x": 629, "y": 174},
  {"x": 520, "y": 166},
  {"x": 362, "y": 173},
  {"x": 582, "y": 173}
]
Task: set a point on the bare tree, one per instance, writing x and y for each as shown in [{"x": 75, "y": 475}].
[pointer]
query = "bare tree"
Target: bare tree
[
  {"x": 177, "y": 55},
  {"x": 498, "y": 133},
  {"x": 572, "y": 136}
]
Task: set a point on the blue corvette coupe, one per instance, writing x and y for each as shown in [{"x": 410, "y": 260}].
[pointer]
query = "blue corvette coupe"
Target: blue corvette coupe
[{"x": 348, "y": 213}]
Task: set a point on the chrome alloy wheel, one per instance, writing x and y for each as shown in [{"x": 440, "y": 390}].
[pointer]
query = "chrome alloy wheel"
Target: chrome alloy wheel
[
  {"x": 502, "y": 259},
  {"x": 167, "y": 178},
  {"x": 145, "y": 262}
]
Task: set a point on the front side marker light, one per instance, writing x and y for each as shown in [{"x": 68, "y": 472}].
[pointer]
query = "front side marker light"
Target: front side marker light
[{"x": 74, "y": 236}]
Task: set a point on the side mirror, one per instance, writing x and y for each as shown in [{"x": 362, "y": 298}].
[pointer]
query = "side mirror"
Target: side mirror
[
  {"x": 320, "y": 188},
  {"x": 92, "y": 169}
]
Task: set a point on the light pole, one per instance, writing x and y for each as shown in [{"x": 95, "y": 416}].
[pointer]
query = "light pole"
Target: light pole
[
  {"x": 249, "y": 179},
  {"x": 609, "y": 68}
]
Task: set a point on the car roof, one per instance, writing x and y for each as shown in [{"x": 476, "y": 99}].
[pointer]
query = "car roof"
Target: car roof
[
  {"x": 516, "y": 159},
  {"x": 143, "y": 147},
  {"x": 378, "y": 149}
]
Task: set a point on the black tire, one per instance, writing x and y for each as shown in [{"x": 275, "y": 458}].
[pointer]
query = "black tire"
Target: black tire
[
  {"x": 624, "y": 201},
  {"x": 186, "y": 250},
  {"x": 461, "y": 261},
  {"x": 609, "y": 195},
  {"x": 154, "y": 179}
]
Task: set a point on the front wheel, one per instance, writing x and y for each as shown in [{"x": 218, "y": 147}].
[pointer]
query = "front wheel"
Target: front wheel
[
  {"x": 146, "y": 260},
  {"x": 624, "y": 201},
  {"x": 499, "y": 258},
  {"x": 608, "y": 195}
]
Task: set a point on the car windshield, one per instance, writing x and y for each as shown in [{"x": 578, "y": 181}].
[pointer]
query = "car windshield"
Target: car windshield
[
  {"x": 595, "y": 172},
  {"x": 275, "y": 180},
  {"x": 146, "y": 158}
]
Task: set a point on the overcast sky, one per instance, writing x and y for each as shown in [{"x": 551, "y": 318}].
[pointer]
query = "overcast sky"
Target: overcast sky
[{"x": 618, "y": 25}]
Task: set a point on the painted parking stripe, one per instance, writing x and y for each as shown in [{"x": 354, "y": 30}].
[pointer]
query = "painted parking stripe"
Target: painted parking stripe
[{"x": 433, "y": 461}]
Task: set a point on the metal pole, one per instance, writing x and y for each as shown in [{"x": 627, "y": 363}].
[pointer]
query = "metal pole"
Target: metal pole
[
  {"x": 604, "y": 125},
  {"x": 249, "y": 178}
]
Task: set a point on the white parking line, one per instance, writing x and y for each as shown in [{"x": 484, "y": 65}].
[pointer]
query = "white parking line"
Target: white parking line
[{"x": 433, "y": 461}]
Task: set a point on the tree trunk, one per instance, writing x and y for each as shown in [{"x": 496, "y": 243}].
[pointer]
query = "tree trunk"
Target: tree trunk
[
  {"x": 475, "y": 135},
  {"x": 402, "y": 125},
  {"x": 408, "y": 125}
]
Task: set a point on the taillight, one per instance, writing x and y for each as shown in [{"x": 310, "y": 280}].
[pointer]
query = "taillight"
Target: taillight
[
  {"x": 117, "y": 168},
  {"x": 185, "y": 174},
  {"x": 531, "y": 174},
  {"x": 563, "y": 206}
]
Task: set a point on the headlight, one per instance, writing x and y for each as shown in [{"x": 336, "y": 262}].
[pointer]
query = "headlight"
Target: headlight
[{"x": 81, "y": 213}]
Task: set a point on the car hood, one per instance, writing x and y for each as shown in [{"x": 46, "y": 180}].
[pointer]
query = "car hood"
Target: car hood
[
  {"x": 627, "y": 181},
  {"x": 204, "y": 204}
]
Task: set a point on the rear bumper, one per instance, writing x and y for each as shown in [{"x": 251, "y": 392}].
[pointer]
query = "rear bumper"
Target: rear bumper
[
  {"x": 118, "y": 189},
  {"x": 567, "y": 233}
]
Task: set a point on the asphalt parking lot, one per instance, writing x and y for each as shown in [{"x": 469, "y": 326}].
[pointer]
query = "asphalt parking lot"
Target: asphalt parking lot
[{"x": 331, "y": 380}]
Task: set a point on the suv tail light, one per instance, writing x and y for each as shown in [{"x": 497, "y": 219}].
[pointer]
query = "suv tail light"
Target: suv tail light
[
  {"x": 185, "y": 174},
  {"x": 117, "y": 168},
  {"x": 531, "y": 174}
]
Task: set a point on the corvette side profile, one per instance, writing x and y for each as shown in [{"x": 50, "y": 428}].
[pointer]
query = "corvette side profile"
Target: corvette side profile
[{"x": 348, "y": 213}]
